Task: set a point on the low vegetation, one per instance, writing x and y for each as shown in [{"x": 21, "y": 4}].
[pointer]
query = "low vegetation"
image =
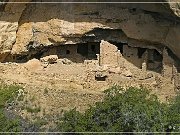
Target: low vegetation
[
  {"x": 122, "y": 110},
  {"x": 33, "y": 110},
  {"x": 7, "y": 95},
  {"x": 131, "y": 110}
]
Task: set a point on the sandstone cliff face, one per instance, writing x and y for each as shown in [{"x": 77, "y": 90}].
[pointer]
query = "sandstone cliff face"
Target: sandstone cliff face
[
  {"x": 24, "y": 26},
  {"x": 124, "y": 44},
  {"x": 9, "y": 18}
]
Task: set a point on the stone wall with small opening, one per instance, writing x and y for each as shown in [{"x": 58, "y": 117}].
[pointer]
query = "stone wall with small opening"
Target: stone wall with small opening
[{"x": 108, "y": 54}]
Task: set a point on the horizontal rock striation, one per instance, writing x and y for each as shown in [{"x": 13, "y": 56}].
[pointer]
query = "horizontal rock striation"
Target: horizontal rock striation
[{"x": 31, "y": 26}]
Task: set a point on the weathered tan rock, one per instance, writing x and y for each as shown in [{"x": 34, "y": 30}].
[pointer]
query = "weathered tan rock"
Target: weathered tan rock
[
  {"x": 172, "y": 39},
  {"x": 127, "y": 73},
  {"x": 49, "y": 59},
  {"x": 7, "y": 35},
  {"x": 175, "y": 7},
  {"x": 25, "y": 36},
  {"x": 4, "y": 54},
  {"x": 9, "y": 24},
  {"x": 116, "y": 33},
  {"x": 66, "y": 61},
  {"x": 115, "y": 70},
  {"x": 33, "y": 64},
  {"x": 53, "y": 24}
]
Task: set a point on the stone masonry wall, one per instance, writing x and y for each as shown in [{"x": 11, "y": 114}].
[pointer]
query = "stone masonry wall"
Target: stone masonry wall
[{"x": 108, "y": 54}]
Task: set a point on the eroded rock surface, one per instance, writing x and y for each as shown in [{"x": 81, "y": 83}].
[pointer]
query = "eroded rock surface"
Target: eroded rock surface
[
  {"x": 75, "y": 51},
  {"x": 26, "y": 26}
]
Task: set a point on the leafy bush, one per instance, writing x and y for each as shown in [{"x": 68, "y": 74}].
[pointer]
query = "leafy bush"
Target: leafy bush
[
  {"x": 130, "y": 110},
  {"x": 7, "y": 94},
  {"x": 174, "y": 114}
]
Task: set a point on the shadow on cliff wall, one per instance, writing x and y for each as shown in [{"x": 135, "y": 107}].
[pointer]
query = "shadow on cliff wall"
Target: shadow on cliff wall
[
  {"x": 70, "y": 12},
  {"x": 76, "y": 12},
  {"x": 105, "y": 14}
]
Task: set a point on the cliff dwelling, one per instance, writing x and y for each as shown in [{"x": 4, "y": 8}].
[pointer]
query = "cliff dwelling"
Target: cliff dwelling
[
  {"x": 91, "y": 47},
  {"x": 105, "y": 53},
  {"x": 64, "y": 55},
  {"x": 106, "y": 61}
]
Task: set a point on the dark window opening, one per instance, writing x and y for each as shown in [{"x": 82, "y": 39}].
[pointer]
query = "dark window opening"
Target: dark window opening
[
  {"x": 93, "y": 48},
  {"x": 82, "y": 49},
  {"x": 14, "y": 57},
  {"x": 119, "y": 46},
  {"x": 62, "y": 50},
  {"x": 101, "y": 78},
  {"x": 157, "y": 56},
  {"x": 89, "y": 50},
  {"x": 154, "y": 61},
  {"x": 67, "y": 52},
  {"x": 141, "y": 51}
]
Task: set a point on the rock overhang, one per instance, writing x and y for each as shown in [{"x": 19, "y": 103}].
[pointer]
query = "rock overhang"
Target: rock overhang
[{"x": 52, "y": 24}]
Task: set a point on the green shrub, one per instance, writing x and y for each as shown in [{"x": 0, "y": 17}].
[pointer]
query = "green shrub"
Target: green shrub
[
  {"x": 40, "y": 122},
  {"x": 130, "y": 110},
  {"x": 174, "y": 114},
  {"x": 8, "y": 94},
  {"x": 7, "y": 125}
]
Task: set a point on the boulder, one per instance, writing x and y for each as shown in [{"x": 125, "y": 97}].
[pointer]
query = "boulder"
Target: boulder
[
  {"x": 33, "y": 64},
  {"x": 49, "y": 59},
  {"x": 127, "y": 73},
  {"x": 66, "y": 61}
]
